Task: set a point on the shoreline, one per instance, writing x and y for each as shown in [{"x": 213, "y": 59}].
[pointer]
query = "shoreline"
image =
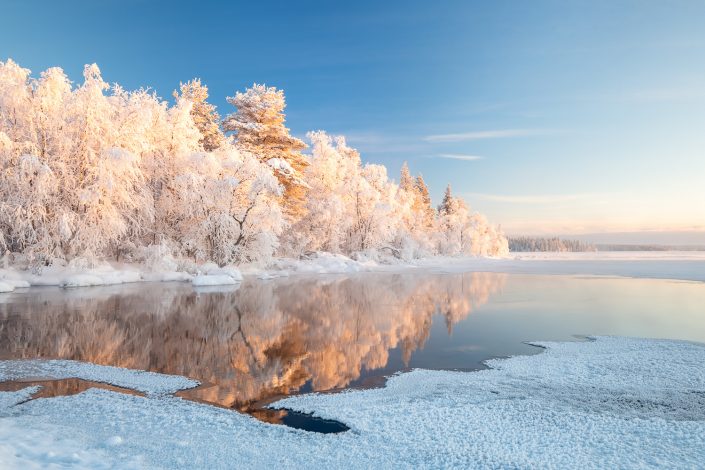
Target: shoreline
[{"x": 684, "y": 266}]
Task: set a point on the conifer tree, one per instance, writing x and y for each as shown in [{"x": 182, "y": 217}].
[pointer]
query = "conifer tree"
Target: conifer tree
[
  {"x": 424, "y": 202},
  {"x": 447, "y": 205},
  {"x": 204, "y": 115},
  {"x": 258, "y": 127},
  {"x": 406, "y": 181}
]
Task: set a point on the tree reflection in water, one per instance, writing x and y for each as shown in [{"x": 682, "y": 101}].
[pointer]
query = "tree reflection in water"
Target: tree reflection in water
[{"x": 261, "y": 340}]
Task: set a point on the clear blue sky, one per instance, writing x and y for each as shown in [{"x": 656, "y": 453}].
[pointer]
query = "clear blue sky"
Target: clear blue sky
[{"x": 586, "y": 116}]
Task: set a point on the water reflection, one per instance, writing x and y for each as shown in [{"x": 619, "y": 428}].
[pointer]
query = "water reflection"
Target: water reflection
[{"x": 261, "y": 340}]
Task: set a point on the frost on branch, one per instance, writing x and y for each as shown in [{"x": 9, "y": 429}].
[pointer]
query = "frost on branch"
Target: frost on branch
[{"x": 258, "y": 128}]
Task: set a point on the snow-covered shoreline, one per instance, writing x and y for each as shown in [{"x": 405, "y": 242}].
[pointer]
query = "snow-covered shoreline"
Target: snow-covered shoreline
[
  {"x": 613, "y": 402},
  {"x": 677, "y": 265}
]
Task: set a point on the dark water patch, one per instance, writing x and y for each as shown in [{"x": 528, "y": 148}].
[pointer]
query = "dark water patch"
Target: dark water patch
[
  {"x": 299, "y": 420},
  {"x": 260, "y": 411}
]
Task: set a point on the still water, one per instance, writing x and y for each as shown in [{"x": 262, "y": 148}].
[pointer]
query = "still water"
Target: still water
[{"x": 265, "y": 339}]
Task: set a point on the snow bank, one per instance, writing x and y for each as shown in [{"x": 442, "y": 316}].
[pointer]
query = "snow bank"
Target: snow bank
[
  {"x": 611, "y": 403},
  {"x": 74, "y": 276},
  {"x": 167, "y": 276},
  {"x": 10, "y": 280},
  {"x": 107, "y": 274},
  {"x": 102, "y": 278},
  {"x": 231, "y": 271},
  {"x": 657, "y": 265},
  {"x": 213, "y": 280},
  {"x": 313, "y": 263}
]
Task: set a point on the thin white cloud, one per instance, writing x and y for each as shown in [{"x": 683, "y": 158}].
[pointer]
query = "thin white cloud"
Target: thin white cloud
[
  {"x": 372, "y": 143},
  {"x": 459, "y": 156},
  {"x": 533, "y": 199},
  {"x": 480, "y": 135}
]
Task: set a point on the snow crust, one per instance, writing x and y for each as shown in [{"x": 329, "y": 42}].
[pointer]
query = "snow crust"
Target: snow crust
[{"x": 608, "y": 403}]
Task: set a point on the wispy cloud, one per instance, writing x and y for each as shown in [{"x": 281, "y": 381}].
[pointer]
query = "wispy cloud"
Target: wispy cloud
[
  {"x": 534, "y": 199},
  {"x": 373, "y": 142},
  {"x": 459, "y": 156},
  {"x": 480, "y": 135}
]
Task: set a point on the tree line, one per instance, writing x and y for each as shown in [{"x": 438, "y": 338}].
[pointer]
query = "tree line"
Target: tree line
[
  {"x": 548, "y": 244},
  {"x": 94, "y": 171}
]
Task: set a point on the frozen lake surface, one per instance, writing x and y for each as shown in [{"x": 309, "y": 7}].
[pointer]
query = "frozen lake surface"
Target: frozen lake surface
[{"x": 251, "y": 344}]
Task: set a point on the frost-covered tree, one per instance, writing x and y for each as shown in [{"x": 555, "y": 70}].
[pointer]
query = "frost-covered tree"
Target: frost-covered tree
[
  {"x": 330, "y": 174},
  {"x": 423, "y": 203},
  {"x": 463, "y": 232},
  {"x": 204, "y": 115},
  {"x": 223, "y": 207},
  {"x": 97, "y": 171},
  {"x": 258, "y": 128},
  {"x": 16, "y": 105},
  {"x": 350, "y": 208},
  {"x": 406, "y": 181}
]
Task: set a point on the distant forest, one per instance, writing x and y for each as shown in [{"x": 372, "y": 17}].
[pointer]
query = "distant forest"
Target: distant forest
[
  {"x": 606, "y": 247},
  {"x": 547, "y": 244},
  {"x": 556, "y": 244}
]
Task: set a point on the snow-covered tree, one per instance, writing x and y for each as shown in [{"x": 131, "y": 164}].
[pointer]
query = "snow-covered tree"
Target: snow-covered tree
[
  {"x": 258, "y": 128},
  {"x": 97, "y": 171},
  {"x": 223, "y": 207},
  {"x": 349, "y": 208},
  {"x": 203, "y": 113},
  {"x": 406, "y": 181},
  {"x": 463, "y": 232}
]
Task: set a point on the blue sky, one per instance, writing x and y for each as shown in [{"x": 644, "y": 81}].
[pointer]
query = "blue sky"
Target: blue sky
[{"x": 548, "y": 116}]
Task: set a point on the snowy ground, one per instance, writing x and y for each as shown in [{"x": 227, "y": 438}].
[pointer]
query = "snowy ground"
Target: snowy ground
[
  {"x": 611, "y": 403},
  {"x": 686, "y": 265}
]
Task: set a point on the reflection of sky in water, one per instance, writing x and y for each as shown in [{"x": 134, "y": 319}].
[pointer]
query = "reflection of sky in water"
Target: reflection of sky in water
[{"x": 268, "y": 338}]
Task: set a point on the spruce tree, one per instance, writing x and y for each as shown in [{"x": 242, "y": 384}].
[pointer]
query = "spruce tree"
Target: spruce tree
[
  {"x": 258, "y": 127},
  {"x": 203, "y": 113}
]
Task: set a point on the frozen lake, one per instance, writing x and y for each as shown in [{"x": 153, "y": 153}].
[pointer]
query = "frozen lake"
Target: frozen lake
[{"x": 265, "y": 339}]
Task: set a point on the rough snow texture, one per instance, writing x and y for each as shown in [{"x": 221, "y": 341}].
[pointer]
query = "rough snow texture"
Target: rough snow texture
[
  {"x": 611, "y": 403},
  {"x": 146, "y": 382}
]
